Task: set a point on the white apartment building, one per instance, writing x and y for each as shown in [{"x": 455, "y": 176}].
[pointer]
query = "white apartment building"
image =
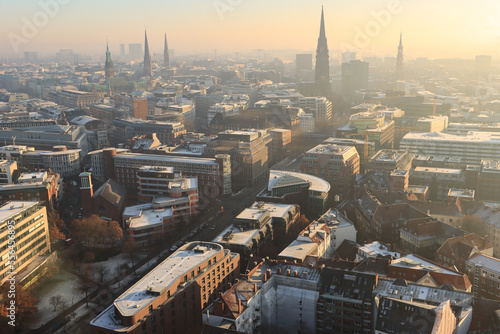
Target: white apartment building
[{"x": 321, "y": 105}]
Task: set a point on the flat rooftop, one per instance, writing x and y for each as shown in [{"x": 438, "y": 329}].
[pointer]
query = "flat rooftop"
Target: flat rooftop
[
  {"x": 376, "y": 248},
  {"x": 165, "y": 158},
  {"x": 486, "y": 262},
  {"x": 11, "y": 209},
  {"x": 237, "y": 236},
  {"x": 453, "y": 192},
  {"x": 388, "y": 156},
  {"x": 329, "y": 149},
  {"x": 275, "y": 209},
  {"x": 299, "y": 250},
  {"x": 435, "y": 170},
  {"x": 415, "y": 262}
]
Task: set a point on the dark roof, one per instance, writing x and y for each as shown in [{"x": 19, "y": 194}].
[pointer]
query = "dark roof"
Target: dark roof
[
  {"x": 352, "y": 285},
  {"x": 112, "y": 192},
  {"x": 378, "y": 265},
  {"x": 483, "y": 315},
  {"x": 394, "y": 316},
  {"x": 347, "y": 250}
]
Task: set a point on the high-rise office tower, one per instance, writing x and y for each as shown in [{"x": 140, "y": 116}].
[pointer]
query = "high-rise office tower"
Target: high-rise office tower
[
  {"x": 400, "y": 74},
  {"x": 148, "y": 69},
  {"x": 322, "y": 62},
  {"x": 166, "y": 55},
  {"x": 122, "y": 51},
  {"x": 135, "y": 51},
  {"x": 109, "y": 68}
]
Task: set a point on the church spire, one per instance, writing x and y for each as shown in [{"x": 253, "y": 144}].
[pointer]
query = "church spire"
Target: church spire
[
  {"x": 109, "y": 68},
  {"x": 399, "y": 60},
  {"x": 148, "y": 70},
  {"x": 166, "y": 54},
  {"x": 322, "y": 62}
]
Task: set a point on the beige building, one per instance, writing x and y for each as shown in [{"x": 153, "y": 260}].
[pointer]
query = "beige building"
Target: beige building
[{"x": 31, "y": 238}]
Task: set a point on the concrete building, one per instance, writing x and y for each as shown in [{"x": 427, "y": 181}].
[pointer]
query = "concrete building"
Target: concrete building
[
  {"x": 439, "y": 180},
  {"x": 371, "y": 126},
  {"x": 154, "y": 182},
  {"x": 281, "y": 140},
  {"x": 167, "y": 132},
  {"x": 355, "y": 75},
  {"x": 345, "y": 304},
  {"x": 76, "y": 99},
  {"x": 249, "y": 151},
  {"x": 484, "y": 272},
  {"x": 387, "y": 161},
  {"x": 472, "y": 147},
  {"x": 266, "y": 300},
  {"x": 170, "y": 297},
  {"x": 7, "y": 171},
  {"x": 63, "y": 161},
  {"x": 43, "y": 187},
  {"x": 46, "y": 137},
  {"x": 338, "y": 165},
  {"x": 320, "y": 239},
  {"x": 31, "y": 240},
  {"x": 366, "y": 149},
  {"x": 129, "y": 106},
  {"x": 320, "y": 107},
  {"x": 488, "y": 182},
  {"x": 309, "y": 192}
]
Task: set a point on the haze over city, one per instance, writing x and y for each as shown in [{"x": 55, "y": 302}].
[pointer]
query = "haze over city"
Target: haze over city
[{"x": 431, "y": 29}]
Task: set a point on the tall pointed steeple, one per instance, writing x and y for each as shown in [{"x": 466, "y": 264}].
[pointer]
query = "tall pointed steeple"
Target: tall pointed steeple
[
  {"x": 148, "y": 67},
  {"x": 166, "y": 55},
  {"x": 400, "y": 74},
  {"x": 322, "y": 62},
  {"x": 109, "y": 68}
]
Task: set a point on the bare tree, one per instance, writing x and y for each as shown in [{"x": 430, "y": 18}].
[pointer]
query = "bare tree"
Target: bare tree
[
  {"x": 131, "y": 249},
  {"x": 101, "y": 270},
  {"x": 84, "y": 283},
  {"x": 55, "y": 301}
]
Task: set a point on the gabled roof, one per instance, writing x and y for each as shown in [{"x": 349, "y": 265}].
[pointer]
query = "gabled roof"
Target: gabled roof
[{"x": 463, "y": 246}]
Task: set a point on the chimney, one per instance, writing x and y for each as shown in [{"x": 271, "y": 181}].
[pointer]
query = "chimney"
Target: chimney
[
  {"x": 239, "y": 306},
  {"x": 279, "y": 271},
  {"x": 295, "y": 273},
  {"x": 255, "y": 287},
  {"x": 268, "y": 274},
  {"x": 288, "y": 272}
]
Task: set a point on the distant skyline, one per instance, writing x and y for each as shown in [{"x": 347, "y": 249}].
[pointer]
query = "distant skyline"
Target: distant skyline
[{"x": 434, "y": 29}]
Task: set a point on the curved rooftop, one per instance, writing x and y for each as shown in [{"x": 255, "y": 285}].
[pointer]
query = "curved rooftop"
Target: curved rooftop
[{"x": 277, "y": 176}]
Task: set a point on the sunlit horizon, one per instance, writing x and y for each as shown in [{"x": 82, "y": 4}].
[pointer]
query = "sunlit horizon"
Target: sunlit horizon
[{"x": 447, "y": 30}]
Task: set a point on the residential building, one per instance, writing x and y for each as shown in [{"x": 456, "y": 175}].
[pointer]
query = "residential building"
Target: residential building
[
  {"x": 43, "y": 187},
  {"x": 456, "y": 251},
  {"x": 31, "y": 240},
  {"x": 338, "y": 165},
  {"x": 274, "y": 297},
  {"x": 484, "y": 272},
  {"x": 320, "y": 239},
  {"x": 376, "y": 249},
  {"x": 425, "y": 236},
  {"x": 170, "y": 297},
  {"x": 345, "y": 303}
]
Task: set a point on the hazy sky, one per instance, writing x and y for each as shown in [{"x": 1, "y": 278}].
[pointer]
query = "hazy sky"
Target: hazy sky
[{"x": 431, "y": 28}]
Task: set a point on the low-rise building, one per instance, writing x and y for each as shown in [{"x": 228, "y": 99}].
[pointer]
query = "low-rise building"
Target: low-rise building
[
  {"x": 7, "y": 170},
  {"x": 320, "y": 239},
  {"x": 456, "y": 251},
  {"x": 388, "y": 160},
  {"x": 439, "y": 180},
  {"x": 374, "y": 250}
]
